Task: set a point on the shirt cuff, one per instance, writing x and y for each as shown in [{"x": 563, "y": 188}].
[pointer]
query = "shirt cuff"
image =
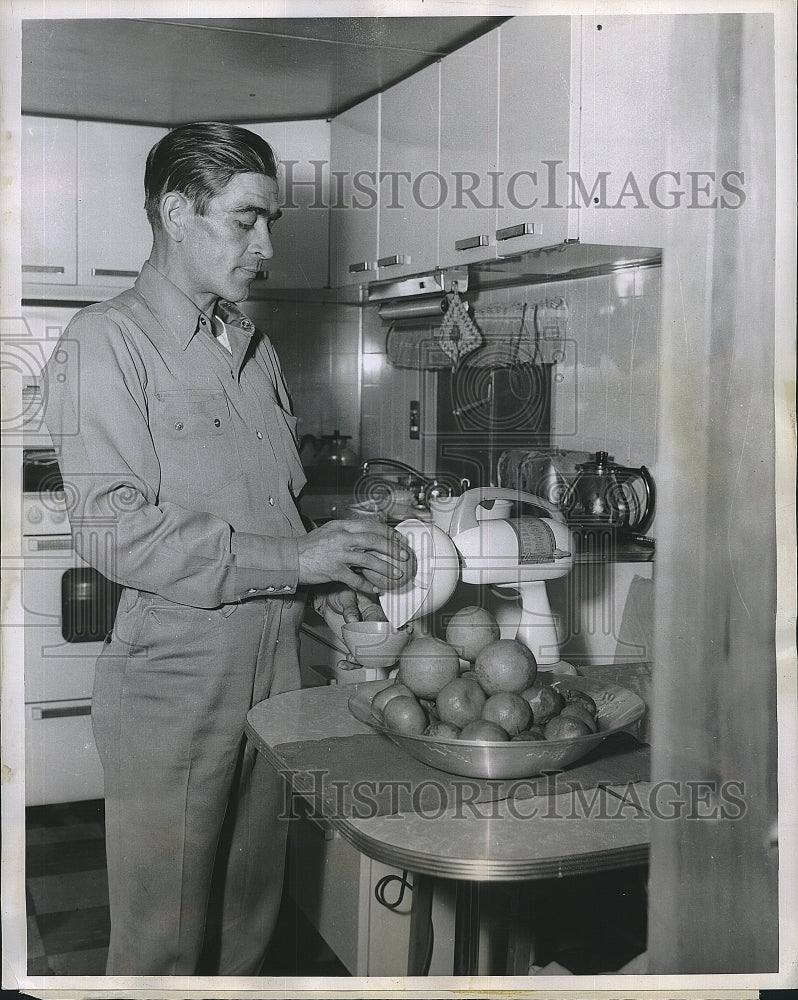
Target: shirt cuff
[{"x": 266, "y": 566}]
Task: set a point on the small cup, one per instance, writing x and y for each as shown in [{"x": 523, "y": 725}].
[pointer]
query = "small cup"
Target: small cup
[
  {"x": 442, "y": 509},
  {"x": 375, "y": 644}
]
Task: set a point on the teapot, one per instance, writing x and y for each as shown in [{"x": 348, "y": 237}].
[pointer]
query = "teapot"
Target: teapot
[
  {"x": 606, "y": 497},
  {"x": 329, "y": 450}
]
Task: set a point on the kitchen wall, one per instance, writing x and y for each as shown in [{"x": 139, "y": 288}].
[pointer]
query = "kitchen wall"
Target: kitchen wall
[
  {"x": 605, "y": 392},
  {"x": 319, "y": 348}
]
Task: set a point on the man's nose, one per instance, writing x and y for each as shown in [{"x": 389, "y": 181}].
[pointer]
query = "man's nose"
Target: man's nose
[{"x": 262, "y": 241}]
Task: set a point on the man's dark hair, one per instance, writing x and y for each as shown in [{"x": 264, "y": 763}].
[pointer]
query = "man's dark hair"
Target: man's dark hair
[{"x": 199, "y": 160}]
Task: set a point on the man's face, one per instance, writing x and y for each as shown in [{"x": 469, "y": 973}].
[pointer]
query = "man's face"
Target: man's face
[{"x": 222, "y": 249}]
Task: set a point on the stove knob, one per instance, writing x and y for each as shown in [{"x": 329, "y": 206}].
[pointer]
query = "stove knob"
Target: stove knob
[{"x": 35, "y": 515}]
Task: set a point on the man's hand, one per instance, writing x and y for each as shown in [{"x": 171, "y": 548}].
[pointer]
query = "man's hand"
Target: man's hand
[
  {"x": 351, "y": 606},
  {"x": 368, "y": 557}
]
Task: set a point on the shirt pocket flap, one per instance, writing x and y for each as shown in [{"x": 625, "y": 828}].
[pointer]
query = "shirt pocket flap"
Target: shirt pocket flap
[{"x": 287, "y": 423}]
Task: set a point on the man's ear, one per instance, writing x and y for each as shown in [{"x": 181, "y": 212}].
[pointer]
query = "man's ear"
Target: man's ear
[{"x": 175, "y": 209}]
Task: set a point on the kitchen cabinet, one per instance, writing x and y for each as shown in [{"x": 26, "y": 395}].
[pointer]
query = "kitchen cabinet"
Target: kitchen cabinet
[
  {"x": 538, "y": 121},
  {"x": 468, "y": 152},
  {"x": 624, "y": 132},
  {"x": 49, "y": 200},
  {"x": 301, "y": 237},
  {"x": 114, "y": 236},
  {"x": 409, "y": 184},
  {"x": 354, "y": 201}
]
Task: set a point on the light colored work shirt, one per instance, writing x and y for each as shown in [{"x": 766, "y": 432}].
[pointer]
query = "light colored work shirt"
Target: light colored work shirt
[{"x": 179, "y": 457}]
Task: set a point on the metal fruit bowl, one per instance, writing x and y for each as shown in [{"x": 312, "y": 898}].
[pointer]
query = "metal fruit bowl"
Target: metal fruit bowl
[{"x": 617, "y": 707}]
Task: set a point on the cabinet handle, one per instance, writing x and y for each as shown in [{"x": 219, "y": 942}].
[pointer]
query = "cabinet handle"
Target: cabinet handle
[
  {"x": 511, "y": 232},
  {"x": 471, "y": 243},
  {"x": 111, "y": 272},
  {"x": 42, "y": 269},
  {"x": 363, "y": 265},
  {"x": 393, "y": 260},
  {"x": 60, "y": 713}
]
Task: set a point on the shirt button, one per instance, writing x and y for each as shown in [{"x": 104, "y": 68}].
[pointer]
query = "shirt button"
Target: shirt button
[
  {"x": 203, "y": 320},
  {"x": 259, "y": 435},
  {"x": 270, "y": 590},
  {"x": 252, "y": 590},
  {"x": 217, "y": 422},
  {"x": 178, "y": 425},
  {"x": 271, "y": 501}
]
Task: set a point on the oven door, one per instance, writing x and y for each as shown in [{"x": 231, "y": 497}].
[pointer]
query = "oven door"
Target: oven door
[
  {"x": 63, "y": 633},
  {"x": 61, "y": 760},
  {"x": 68, "y": 610}
]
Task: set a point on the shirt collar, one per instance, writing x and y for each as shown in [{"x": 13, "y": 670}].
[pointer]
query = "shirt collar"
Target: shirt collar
[{"x": 175, "y": 311}]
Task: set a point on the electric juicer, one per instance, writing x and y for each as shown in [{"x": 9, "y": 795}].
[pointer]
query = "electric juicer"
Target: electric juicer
[{"x": 518, "y": 553}]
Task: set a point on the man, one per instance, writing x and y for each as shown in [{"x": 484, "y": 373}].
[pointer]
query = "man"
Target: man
[{"x": 177, "y": 448}]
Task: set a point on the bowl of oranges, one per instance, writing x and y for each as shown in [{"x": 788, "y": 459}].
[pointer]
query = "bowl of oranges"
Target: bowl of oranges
[{"x": 497, "y": 718}]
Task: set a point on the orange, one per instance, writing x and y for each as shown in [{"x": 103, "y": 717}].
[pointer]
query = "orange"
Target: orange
[
  {"x": 460, "y": 702},
  {"x": 545, "y": 702},
  {"x": 483, "y": 731},
  {"x": 505, "y": 665},
  {"x": 575, "y": 696},
  {"x": 510, "y": 711},
  {"x": 529, "y": 736},
  {"x": 565, "y": 727},
  {"x": 427, "y": 665},
  {"x": 405, "y": 715},
  {"x": 470, "y": 629},
  {"x": 442, "y": 730},
  {"x": 576, "y": 710},
  {"x": 381, "y": 698}
]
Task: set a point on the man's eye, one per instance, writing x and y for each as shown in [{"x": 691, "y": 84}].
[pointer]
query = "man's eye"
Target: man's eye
[
  {"x": 272, "y": 223},
  {"x": 245, "y": 225}
]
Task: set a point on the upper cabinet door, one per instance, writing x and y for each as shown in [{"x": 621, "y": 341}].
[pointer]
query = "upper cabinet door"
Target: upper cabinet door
[
  {"x": 624, "y": 195},
  {"x": 469, "y": 140},
  {"x": 49, "y": 200},
  {"x": 114, "y": 237},
  {"x": 354, "y": 195},
  {"x": 301, "y": 237},
  {"x": 538, "y": 131},
  {"x": 409, "y": 178}
]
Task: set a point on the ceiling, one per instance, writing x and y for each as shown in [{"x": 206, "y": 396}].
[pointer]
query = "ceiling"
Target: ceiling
[{"x": 166, "y": 72}]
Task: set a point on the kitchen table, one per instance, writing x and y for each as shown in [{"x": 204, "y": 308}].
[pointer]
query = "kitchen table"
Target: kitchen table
[{"x": 568, "y": 832}]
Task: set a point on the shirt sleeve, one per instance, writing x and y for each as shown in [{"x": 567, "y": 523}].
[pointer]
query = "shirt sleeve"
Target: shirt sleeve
[{"x": 96, "y": 412}]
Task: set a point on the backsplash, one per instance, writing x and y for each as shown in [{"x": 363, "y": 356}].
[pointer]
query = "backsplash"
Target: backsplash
[
  {"x": 605, "y": 390},
  {"x": 318, "y": 344}
]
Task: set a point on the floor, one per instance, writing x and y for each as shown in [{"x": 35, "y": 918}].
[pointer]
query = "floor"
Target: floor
[{"x": 67, "y": 902}]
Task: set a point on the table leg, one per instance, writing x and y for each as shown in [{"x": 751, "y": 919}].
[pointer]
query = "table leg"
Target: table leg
[
  {"x": 420, "y": 916},
  {"x": 466, "y": 929}
]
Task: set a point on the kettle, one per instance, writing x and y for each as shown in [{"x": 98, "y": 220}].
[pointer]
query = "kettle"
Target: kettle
[
  {"x": 606, "y": 497},
  {"x": 334, "y": 451}
]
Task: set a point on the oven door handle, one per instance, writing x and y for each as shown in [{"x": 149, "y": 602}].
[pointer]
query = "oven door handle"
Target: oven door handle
[{"x": 60, "y": 712}]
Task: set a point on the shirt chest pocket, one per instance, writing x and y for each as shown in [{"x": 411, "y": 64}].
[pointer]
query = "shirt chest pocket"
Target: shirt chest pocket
[{"x": 196, "y": 441}]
